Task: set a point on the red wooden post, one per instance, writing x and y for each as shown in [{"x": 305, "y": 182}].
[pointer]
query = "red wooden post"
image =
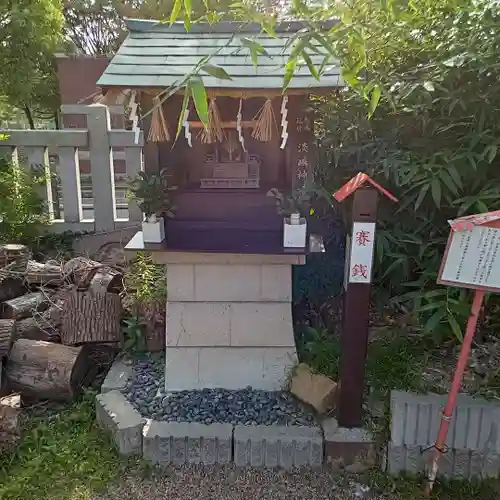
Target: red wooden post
[{"x": 354, "y": 338}]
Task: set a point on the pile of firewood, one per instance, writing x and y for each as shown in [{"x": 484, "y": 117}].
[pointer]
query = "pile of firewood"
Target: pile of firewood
[{"x": 50, "y": 313}]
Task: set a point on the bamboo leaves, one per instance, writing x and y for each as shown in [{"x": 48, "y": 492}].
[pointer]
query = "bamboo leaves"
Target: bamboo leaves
[
  {"x": 199, "y": 94},
  {"x": 216, "y": 71}
]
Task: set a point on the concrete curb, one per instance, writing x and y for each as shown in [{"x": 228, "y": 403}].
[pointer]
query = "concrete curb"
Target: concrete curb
[
  {"x": 164, "y": 443},
  {"x": 179, "y": 443},
  {"x": 277, "y": 446},
  {"x": 473, "y": 441},
  {"x": 115, "y": 413},
  {"x": 118, "y": 376},
  {"x": 350, "y": 449}
]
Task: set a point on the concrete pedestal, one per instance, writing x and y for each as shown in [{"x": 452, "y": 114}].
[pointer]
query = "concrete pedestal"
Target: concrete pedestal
[{"x": 229, "y": 320}]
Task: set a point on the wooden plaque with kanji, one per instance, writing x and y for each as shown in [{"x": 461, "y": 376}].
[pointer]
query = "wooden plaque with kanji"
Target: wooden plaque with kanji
[{"x": 361, "y": 252}]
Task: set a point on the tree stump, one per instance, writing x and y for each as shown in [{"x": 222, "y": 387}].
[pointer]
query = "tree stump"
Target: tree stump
[
  {"x": 26, "y": 305},
  {"x": 44, "y": 370},
  {"x": 10, "y": 428},
  {"x": 7, "y": 329},
  {"x": 91, "y": 317},
  {"x": 44, "y": 274}
]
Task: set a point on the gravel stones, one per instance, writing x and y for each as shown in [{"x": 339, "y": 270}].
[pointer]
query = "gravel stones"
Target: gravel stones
[{"x": 145, "y": 391}]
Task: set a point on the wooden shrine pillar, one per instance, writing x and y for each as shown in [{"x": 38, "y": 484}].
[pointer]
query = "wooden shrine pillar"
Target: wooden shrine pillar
[{"x": 358, "y": 276}]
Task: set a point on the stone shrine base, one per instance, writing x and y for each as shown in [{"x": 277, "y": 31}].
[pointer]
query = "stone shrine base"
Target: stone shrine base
[{"x": 229, "y": 320}]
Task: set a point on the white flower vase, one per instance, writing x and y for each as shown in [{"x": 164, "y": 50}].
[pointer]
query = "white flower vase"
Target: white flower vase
[
  {"x": 153, "y": 230},
  {"x": 294, "y": 231}
]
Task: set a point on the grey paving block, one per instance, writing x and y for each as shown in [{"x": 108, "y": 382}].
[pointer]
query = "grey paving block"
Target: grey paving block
[
  {"x": 473, "y": 440},
  {"x": 115, "y": 413},
  {"x": 179, "y": 443},
  {"x": 413, "y": 459},
  {"x": 491, "y": 465},
  {"x": 117, "y": 377},
  {"x": 277, "y": 446},
  {"x": 415, "y": 419},
  {"x": 461, "y": 463},
  {"x": 395, "y": 458}
]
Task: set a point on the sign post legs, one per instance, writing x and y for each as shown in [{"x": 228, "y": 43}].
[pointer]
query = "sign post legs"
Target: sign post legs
[{"x": 447, "y": 413}]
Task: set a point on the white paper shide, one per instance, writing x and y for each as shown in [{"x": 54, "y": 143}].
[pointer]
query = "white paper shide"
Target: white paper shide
[{"x": 361, "y": 252}]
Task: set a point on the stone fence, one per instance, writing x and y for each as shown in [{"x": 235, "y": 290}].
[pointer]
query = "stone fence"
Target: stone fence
[{"x": 99, "y": 144}]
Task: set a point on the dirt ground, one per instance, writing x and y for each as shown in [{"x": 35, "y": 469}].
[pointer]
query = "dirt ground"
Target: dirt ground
[{"x": 231, "y": 483}]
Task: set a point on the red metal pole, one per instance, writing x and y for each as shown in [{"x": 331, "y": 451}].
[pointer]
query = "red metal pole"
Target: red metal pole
[{"x": 455, "y": 387}]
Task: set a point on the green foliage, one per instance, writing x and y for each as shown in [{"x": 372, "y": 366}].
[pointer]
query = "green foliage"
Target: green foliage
[
  {"x": 31, "y": 33},
  {"x": 54, "y": 245},
  {"x": 145, "y": 289},
  {"x": 152, "y": 194},
  {"x": 134, "y": 334},
  {"x": 145, "y": 280},
  {"x": 432, "y": 140},
  {"x": 22, "y": 210},
  {"x": 62, "y": 456},
  {"x": 320, "y": 279},
  {"x": 300, "y": 200},
  {"x": 320, "y": 349},
  {"x": 396, "y": 362}
]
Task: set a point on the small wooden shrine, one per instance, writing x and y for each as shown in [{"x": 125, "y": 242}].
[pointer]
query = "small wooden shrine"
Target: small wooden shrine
[{"x": 229, "y": 277}]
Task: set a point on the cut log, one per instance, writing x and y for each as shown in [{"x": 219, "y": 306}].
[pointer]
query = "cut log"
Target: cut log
[
  {"x": 26, "y": 305},
  {"x": 3, "y": 380},
  {"x": 11, "y": 287},
  {"x": 39, "y": 327},
  {"x": 91, "y": 317},
  {"x": 86, "y": 273},
  {"x": 13, "y": 263},
  {"x": 106, "y": 279},
  {"x": 44, "y": 370},
  {"x": 7, "y": 329},
  {"x": 10, "y": 428},
  {"x": 44, "y": 274},
  {"x": 12, "y": 252}
]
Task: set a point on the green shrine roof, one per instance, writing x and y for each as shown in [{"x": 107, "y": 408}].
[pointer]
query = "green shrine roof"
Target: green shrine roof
[{"x": 158, "y": 54}]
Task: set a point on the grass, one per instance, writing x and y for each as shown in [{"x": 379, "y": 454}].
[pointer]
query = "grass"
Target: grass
[
  {"x": 61, "y": 457},
  {"x": 411, "y": 488},
  {"x": 394, "y": 361}
]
